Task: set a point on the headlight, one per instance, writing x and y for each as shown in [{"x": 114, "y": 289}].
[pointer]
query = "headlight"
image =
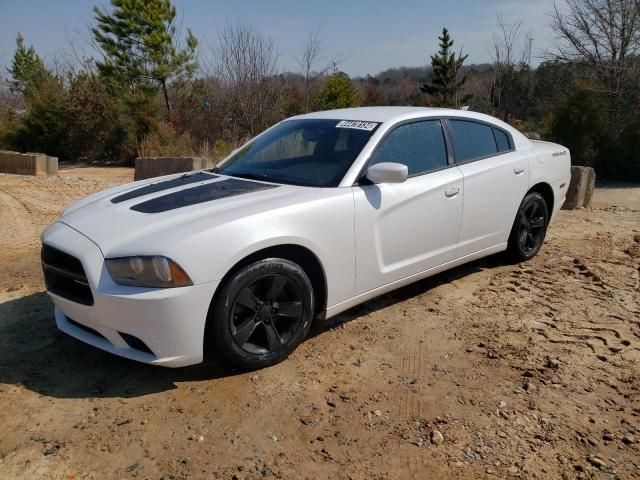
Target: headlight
[{"x": 158, "y": 272}]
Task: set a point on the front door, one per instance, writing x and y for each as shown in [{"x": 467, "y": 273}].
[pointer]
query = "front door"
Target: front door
[{"x": 403, "y": 229}]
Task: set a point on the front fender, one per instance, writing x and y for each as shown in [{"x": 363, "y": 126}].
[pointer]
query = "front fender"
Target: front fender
[{"x": 324, "y": 226}]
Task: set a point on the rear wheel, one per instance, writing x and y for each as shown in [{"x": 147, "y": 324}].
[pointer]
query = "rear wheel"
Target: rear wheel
[
  {"x": 262, "y": 313},
  {"x": 529, "y": 228}
]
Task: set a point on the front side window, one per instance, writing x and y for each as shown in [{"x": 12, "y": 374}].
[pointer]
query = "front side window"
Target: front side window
[
  {"x": 418, "y": 145},
  {"x": 471, "y": 140},
  {"x": 310, "y": 152}
]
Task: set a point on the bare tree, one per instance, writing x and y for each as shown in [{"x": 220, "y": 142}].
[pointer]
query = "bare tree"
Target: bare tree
[
  {"x": 246, "y": 61},
  {"x": 9, "y": 100},
  {"x": 311, "y": 63},
  {"x": 308, "y": 60},
  {"x": 604, "y": 36},
  {"x": 511, "y": 52}
]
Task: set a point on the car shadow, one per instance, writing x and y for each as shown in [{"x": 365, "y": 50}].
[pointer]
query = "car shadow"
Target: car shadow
[
  {"x": 36, "y": 355},
  {"x": 407, "y": 292}
]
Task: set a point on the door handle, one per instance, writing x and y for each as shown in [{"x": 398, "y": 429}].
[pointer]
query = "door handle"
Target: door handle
[
  {"x": 451, "y": 192},
  {"x": 518, "y": 170}
]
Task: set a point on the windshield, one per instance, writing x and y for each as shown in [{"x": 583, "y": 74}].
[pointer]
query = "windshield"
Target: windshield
[{"x": 311, "y": 152}]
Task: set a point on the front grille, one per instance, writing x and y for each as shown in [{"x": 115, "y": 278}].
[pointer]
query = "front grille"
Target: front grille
[{"x": 64, "y": 276}]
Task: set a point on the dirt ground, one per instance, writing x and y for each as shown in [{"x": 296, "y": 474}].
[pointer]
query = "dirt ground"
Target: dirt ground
[{"x": 489, "y": 370}]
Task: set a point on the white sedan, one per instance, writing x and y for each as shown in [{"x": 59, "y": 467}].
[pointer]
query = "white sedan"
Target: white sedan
[{"x": 315, "y": 215}]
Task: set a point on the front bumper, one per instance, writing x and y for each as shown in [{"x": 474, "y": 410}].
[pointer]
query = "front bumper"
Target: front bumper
[{"x": 170, "y": 322}]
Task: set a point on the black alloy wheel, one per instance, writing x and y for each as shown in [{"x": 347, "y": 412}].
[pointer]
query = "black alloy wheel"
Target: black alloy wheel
[
  {"x": 266, "y": 314},
  {"x": 262, "y": 313},
  {"x": 530, "y": 227}
]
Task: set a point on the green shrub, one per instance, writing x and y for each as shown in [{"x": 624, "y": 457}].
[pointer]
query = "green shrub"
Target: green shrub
[{"x": 579, "y": 122}]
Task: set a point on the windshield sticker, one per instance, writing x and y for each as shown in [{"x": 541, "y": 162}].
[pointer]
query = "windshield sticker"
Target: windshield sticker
[{"x": 368, "y": 126}]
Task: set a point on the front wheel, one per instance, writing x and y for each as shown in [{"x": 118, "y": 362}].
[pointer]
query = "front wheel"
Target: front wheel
[
  {"x": 262, "y": 313},
  {"x": 529, "y": 228}
]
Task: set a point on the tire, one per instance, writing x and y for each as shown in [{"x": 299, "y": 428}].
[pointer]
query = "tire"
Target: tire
[
  {"x": 262, "y": 313},
  {"x": 529, "y": 228}
]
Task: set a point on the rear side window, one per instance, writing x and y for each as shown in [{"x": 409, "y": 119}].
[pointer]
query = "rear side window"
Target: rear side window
[
  {"x": 418, "y": 145},
  {"x": 502, "y": 139},
  {"x": 472, "y": 140}
]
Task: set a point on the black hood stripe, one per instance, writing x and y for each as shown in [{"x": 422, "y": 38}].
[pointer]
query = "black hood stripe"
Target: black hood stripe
[
  {"x": 200, "y": 194},
  {"x": 164, "y": 185}
]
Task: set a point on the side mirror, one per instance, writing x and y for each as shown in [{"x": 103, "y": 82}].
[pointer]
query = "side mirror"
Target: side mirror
[{"x": 387, "y": 172}]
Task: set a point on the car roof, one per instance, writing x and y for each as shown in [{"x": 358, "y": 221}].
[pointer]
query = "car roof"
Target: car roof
[
  {"x": 367, "y": 114},
  {"x": 398, "y": 114},
  {"x": 393, "y": 114}
]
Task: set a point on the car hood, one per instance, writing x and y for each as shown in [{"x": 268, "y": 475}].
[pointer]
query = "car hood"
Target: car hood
[{"x": 139, "y": 217}]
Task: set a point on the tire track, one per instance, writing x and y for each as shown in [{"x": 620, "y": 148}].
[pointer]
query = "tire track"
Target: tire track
[{"x": 16, "y": 219}]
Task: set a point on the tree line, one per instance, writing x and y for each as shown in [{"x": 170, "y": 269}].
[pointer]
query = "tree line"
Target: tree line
[{"x": 145, "y": 92}]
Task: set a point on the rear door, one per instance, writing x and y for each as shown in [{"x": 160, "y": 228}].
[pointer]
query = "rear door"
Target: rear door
[
  {"x": 495, "y": 182},
  {"x": 406, "y": 228}
]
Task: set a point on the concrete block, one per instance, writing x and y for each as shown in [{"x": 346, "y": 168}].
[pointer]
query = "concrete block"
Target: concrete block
[
  {"x": 148, "y": 167},
  {"x": 28, "y": 163},
  {"x": 580, "y": 191}
]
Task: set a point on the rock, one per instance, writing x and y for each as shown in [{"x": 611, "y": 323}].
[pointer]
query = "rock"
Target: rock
[
  {"x": 513, "y": 470},
  {"x": 502, "y": 434},
  {"x": 377, "y": 413},
  {"x": 201, "y": 438},
  {"x": 267, "y": 472},
  {"x": 418, "y": 442},
  {"x": 52, "y": 450},
  {"x": 596, "y": 461},
  {"x": 580, "y": 191},
  {"x": 436, "y": 437},
  {"x": 502, "y": 404},
  {"x": 306, "y": 420},
  {"x": 552, "y": 363},
  {"x": 628, "y": 440},
  {"x": 608, "y": 436}
]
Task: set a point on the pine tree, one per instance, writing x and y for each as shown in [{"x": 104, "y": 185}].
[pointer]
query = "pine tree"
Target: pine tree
[
  {"x": 28, "y": 73},
  {"x": 446, "y": 85},
  {"x": 338, "y": 92},
  {"x": 141, "y": 47}
]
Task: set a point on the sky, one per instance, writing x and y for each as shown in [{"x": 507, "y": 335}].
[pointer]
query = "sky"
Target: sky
[{"x": 370, "y": 36}]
